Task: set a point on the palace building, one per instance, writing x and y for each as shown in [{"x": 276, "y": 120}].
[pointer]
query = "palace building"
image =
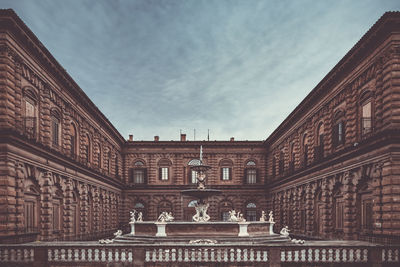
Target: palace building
[{"x": 331, "y": 170}]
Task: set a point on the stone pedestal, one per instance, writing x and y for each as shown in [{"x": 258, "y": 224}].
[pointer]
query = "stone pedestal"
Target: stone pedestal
[
  {"x": 132, "y": 228},
  {"x": 161, "y": 229},
  {"x": 271, "y": 228},
  {"x": 243, "y": 228}
]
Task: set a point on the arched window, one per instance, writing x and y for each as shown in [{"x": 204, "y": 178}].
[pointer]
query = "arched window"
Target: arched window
[
  {"x": 366, "y": 113},
  {"x": 109, "y": 161},
  {"x": 88, "y": 148},
  {"x": 193, "y": 174},
  {"x": 281, "y": 162},
  {"x": 338, "y": 209},
  {"x": 55, "y": 128},
  {"x": 30, "y": 113},
  {"x": 226, "y": 169},
  {"x": 250, "y": 172},
  {"x": 116, "y": 166},
  {"x": 273, "y": 166},
  {"x": 139, "y": 173},
  {"x": 292, "y": 158},
  {"x": 98, "y": 156},
  {"x": 305, "y": 150},
  {"x": 74, "y": 140},
  {"x": 251, "y": 211},
  {"x": 338, "y": 129},
  {"x": 164, "y": 169},
  {"x": 319, "y": 149}
]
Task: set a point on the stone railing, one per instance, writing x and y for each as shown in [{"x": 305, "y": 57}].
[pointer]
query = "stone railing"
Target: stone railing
[{"x": 94, "y": 254}]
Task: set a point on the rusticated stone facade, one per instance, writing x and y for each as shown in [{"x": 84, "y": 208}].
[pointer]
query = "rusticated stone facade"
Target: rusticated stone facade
[{"x": 330, "y": 170}]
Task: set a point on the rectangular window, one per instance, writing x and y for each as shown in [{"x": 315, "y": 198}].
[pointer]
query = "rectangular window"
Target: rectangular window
[
  {"x": 164, "y": 173},
  {"x": 194, "y": 177},
  {"x": 55, "y": 132},
  {"x": 226, "y": 174},
  {"x": 138, "y": 176},
  {"x": 251, "y": 176},
  {"x": 251, "y": 215},
  {"x": 225, "y": 216},
  {"x": 30, "y": 216},
  {"x": 56, "y": 216},
  {"x": 366, "y": 121},
  {"x": 366, "y": 214},
  {"x": 339, "y": 214}
]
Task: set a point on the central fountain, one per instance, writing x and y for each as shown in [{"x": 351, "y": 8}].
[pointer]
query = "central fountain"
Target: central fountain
[
  {"x": 201, "y": 229},
  {"x": 201, "y": 192}
]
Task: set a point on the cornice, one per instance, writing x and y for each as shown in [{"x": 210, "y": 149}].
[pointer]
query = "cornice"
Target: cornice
[
  {"x": 193, "y": 144},
  {"x": 380, "y": 31},
  {"x": 9, "y": 21}
]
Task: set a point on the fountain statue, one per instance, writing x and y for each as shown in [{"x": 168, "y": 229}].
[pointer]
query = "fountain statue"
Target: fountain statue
[{"x": 201, "y": 192}]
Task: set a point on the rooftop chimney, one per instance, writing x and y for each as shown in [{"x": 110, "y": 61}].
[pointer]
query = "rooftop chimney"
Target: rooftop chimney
[
  {"x": 183, "y": 137},
  {"x": 156, "y": 138},
  {"x": 232, "y": 139},
  {"x": 131, "y": 137}
]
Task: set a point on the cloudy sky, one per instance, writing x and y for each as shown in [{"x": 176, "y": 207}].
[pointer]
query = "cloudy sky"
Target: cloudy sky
[{"x": 235, "y": 67}]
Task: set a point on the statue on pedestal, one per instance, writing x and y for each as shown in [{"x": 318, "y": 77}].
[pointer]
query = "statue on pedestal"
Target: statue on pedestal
[
  {"x": 285, "y": 231},
  {"x": 140, "y": 217},
  {"x": 271, "y": 217},
  {"x": 165, "y": 217},
  {"x": 263, "y": 216},
  {"x": 133, "y": 214}
]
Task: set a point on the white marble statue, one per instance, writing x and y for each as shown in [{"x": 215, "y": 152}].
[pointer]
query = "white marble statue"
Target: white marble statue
[
  {"x": 271, "y": 217},
  {"x": 140, "y": 217},
  {"x": 133, "y": 215},
  {"x": 118, "y": 233},
  {"x": 232, "y": 216},
  {"x": 240, "y": 217},
  {"x": 201, "y": 213},
  {"x": 165, "y": 217},
  {"x": 263, "y": 216},
  {"x": 285, "y": 231}
]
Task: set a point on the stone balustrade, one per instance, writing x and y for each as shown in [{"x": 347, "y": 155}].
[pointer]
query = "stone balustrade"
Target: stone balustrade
[{"x": 94, "y": 254}]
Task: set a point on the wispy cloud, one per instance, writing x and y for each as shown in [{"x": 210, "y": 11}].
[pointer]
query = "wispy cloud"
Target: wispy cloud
[{"x": 235, "y": 67}]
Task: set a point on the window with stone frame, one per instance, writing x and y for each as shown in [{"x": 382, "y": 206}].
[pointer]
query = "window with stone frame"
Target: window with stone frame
[
  {"x": 55, "y": 128},
  {"x": 139, "y": 173},
  {"x": 99, "y": 156},
  {"x": 304, "y": 159},
  {"x": 338, "y": 210},
  {"x": 338, "y": 129},
  {"x": 164, "y": 169},
  {"x": 57, "y": 211},
  {"x": 88, "y": 148},
  {"x": 281, "y": 162},
  {"x": 31, "y": 209},
  {"x": 75, "y": 213},
  {"x": 74, "y": 140},
  {"x": 292, "y": 159},
  {"x": 319, "y": 148},
  {"x": 30, "y": 114},
  {"x": 251, "y": 212},
  {"x": 116, "y": 162},
  {"x": 251, "y": 172},
  {"x": 193, "y": 174},
  {"x": 364, "y": 205},
  {"x": 108, "y": 167},
  {"x": 366, "y": 113},
  {"x": 226, "y": 169}
]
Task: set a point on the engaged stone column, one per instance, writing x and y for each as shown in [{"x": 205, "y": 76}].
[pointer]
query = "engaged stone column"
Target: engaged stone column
[
  {"x": 349, "y": 206},
  {"x": 46, "y": 208},
  {"x": 326, "y": 212},
  {"x": 309, "y": 210}
]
